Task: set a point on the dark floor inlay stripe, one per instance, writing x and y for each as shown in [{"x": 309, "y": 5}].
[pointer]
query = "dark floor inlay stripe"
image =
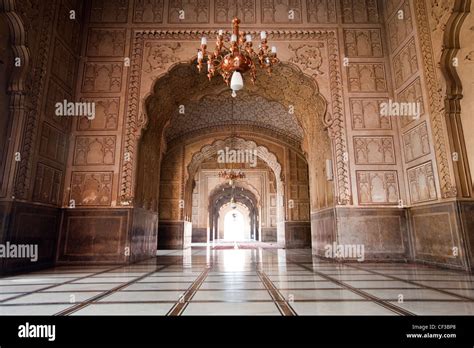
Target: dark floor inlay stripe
[
  {"x": 359, "y": 292},
  {"x": 465, "y": 298},
  {"x": 277, "y": 297},
  {"x": 181, "y": 305},
  {"x": 96, "y": 298}
]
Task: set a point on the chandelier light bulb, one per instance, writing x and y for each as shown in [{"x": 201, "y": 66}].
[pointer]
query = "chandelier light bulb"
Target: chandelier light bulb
[
  {"x": 221, "y": 32},
  {"x": 237, "y": 82},
  {"x": 204, "y": 41},
  {"x": 263, "y": 35},
  {"x": 200, "y": 55},
  {"x": 233, "y": 38},
  {"x": 248, "y": 38},
  {"x": 274, "y": 49}
]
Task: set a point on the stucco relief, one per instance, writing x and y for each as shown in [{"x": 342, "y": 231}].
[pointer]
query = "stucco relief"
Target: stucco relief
[
  {"x": 374, "y": 150},
  {"x": 421, "y": 183},
  {"x": 148, "y": 11},
  {"x": 366, "y": 114},
  {"x": 94, "y": 150},
  {"x": 106, "y": 115},
  {"x": 281, "y": 11},
  {"x": 416, "y": 142},
  {"x": 363, "y": 42},
  {"x": 400, "y": 29},
  {"x": 158, "y": 57},
  {"x": 91, "y": 188},
  {"x": 225, "y": 10},
  {"x": 377, "y": 187},
  {"x": 113, "y": 11},
  {"x": 106, "y": 42},
  {"x": 48, "y": 183},
  {"x": 321, "y": 11},
  {"x": 360, "y": 11},
  {"x": 102, "y": 77},
  {"x": 364, "y": 77},
  {"x": 189, "y": 11},
  {"x": 308, "y": 57},
  {"x": 411, "y": 94},
  {"x": 405, "y": 63}
]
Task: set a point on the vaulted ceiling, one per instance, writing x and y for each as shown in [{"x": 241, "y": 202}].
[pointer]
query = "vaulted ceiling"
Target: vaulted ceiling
[{"x": 245, "y": 109}]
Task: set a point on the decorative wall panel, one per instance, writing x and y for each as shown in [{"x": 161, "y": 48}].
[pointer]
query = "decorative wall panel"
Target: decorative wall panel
[
  {"x": 360, "y": 11},
  {"x": 405, "y": 63},
  {"x": 363, "y": 43},
  {"x": 189, "y": 11},
  {"x": 321, "y": 11},
  {"x": 106, "y": 115},
  {"x": 148, "y": 11},
  {"x": 53, "y": 144},
  {"x": 411, "y": 94},
  {"x": 109, "y": 11},
  {"x": 281, "y": 11},
  {"x": 64, "y": 65},
  {"x": 416, "y": 142},
  {"x": 91, "y": 188},
  {"x": 364, "y": 77},
  {"x": 98, "y": 150},
  {"x": 102, "y": 77},
  {"x": 421, "y": 183},
  {"x": 106, "y": 43},
  {"x": 399, "y": 29},
  {"x": 377, "y": 187},
  {"x": 366, "y": 114},
  {"x": 225, "y": 10},
  {"x": 47, "y": 185},
  {"x": 374, "y": 150}
]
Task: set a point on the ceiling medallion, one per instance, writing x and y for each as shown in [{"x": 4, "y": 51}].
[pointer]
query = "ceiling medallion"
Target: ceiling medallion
[{"x": 240, "y": 57}]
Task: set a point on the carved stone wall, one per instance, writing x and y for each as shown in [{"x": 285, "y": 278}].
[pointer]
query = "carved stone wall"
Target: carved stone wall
[{"x": 341, "y": 60}]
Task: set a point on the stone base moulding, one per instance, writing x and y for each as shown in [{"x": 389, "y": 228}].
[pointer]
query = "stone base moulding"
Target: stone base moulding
[{"x": 110, "y": 236}]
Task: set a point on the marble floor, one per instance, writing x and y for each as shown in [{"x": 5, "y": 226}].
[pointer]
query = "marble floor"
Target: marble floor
[{"x": 239, "y": 281}]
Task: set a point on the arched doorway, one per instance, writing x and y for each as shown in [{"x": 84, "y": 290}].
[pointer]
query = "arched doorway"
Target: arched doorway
[
  {"x": 171, "y": 180},
  {"x": 235, "y": 224},
  {"x": 227, "y": 198}
]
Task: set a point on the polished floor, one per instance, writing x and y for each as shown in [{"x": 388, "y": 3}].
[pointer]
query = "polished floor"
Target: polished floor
[{"x": 239, "y": 281}]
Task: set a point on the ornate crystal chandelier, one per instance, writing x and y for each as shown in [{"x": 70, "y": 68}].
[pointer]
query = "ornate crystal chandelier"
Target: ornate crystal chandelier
[{"x": 240, "y": 57}]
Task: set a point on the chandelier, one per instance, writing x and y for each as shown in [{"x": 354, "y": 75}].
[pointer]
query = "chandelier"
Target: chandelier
[
  {"x": 238, "y": 58},
  {"x": 231, "y": 175}
]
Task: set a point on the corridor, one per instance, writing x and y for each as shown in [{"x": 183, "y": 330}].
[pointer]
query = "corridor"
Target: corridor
[{"x": 255, "y": 280}]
